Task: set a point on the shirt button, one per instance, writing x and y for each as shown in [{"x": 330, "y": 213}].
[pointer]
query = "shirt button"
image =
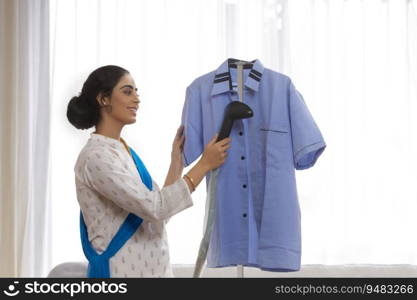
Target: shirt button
[
  {"x": 244, "y": 186},
  {"x": 242, "y": 158},
  {"x": 240, "y": 133},
  {"x": 244, "y": 215}
]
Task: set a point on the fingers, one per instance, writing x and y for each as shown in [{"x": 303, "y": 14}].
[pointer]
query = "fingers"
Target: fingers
[
  {"x": 213, "y": 139},
  {"x": 224, "y": 142},
  {"x": 223, "y": 150},
  {"x": 181, "y": 143},
  {"x": 181, "y": 139},
  {"x": 223, "y": 145},
  {"x": 221, "y": 142},
  {"x": 226, "y": 145},
  {"x": 179, "y": 136},
  {"x": 180, "y": 131}
]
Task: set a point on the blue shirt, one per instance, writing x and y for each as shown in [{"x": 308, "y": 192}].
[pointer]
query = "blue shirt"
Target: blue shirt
[{"x": 257, "y": 220}]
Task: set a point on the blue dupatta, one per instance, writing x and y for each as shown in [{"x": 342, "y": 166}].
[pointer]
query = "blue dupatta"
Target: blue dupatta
[{"x": 99, "y": 264}]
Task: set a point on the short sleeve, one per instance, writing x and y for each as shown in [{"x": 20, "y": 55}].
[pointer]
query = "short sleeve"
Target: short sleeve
[
  {"x": 118, "y": 184},
  {"x": 192, "y": 120},
  {"x": 307, "y": 141}
]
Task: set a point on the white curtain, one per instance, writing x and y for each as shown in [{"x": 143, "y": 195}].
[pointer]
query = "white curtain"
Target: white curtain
[
  {"x": 355, "y": 62},
  {"x": 356, "y": 65},
  {"x": 24, "y": 138}
]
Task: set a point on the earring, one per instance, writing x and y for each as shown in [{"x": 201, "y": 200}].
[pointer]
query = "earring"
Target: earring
[{"x": 108, "y": 107}]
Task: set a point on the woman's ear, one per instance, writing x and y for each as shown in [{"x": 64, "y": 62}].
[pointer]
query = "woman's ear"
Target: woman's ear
[{"x": 102, "y": 101}]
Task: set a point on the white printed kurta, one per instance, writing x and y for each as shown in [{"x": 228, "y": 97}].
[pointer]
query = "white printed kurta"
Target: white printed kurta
[{"x": 109, "y": 187}]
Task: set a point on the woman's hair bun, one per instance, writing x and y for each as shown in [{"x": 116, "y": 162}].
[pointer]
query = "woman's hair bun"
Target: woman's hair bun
[{"x": 80, "y": 113}]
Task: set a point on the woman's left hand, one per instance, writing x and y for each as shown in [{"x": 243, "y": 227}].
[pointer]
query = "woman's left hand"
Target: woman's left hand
[{"x": 177, "y": 148}]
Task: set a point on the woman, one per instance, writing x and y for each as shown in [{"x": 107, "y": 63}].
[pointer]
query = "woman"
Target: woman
[{"x": 114, "y": 189}]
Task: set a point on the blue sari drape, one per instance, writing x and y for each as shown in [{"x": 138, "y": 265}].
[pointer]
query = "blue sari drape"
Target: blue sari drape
[{"x": 99, "y": 264}]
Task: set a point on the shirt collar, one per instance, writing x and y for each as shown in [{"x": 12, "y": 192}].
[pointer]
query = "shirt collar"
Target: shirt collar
[{"x": 222, "y": 83}]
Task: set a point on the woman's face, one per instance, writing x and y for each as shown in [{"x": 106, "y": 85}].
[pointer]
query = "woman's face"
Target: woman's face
[{"x": 124, "y": 100}]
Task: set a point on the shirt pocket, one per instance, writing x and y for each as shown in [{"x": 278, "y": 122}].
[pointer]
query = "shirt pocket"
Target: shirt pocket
[
  {"x": 278, "y": 129},
  {"x": 277, "y": 142}
]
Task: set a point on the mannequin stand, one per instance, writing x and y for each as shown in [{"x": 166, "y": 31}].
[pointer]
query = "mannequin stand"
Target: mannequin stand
[{"x": 240, "y": 65}]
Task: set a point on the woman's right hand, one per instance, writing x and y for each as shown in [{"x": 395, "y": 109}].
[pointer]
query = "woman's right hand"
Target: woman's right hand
[{"x": 215, "y": 154}]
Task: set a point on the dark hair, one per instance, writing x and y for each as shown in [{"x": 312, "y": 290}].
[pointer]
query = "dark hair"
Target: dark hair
[{"x": 83, "y": 111}]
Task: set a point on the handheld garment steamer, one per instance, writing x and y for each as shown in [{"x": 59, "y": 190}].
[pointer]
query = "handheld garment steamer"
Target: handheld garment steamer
[{"x": 235, "y": 110}]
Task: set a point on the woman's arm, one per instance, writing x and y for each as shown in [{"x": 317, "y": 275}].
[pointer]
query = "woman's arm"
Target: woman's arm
[
  {"x": 125, "y": 188},
  {"x": 197, "y": 173},
  {"x": 213, "y": 156}
]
